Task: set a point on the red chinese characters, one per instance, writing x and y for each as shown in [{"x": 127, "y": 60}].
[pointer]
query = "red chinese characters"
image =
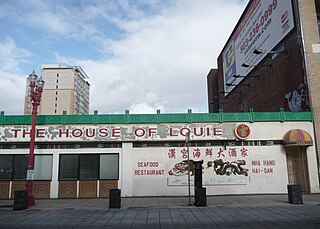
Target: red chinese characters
[{"x": 198, "y": 153}]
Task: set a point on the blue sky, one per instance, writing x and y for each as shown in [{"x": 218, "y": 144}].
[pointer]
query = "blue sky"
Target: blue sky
[{"x": 140, "y": 55}]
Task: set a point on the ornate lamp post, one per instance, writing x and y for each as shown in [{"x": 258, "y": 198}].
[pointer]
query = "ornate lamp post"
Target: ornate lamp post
[{"x": 36, "y": 88}]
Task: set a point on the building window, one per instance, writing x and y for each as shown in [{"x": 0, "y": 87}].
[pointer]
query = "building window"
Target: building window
[
  {"x": 14, "y": 167},
  {"x": 20, "y": 165},
  {"x": 6, "y": 167},
  {"x": 109, "y": 166},
  {"x": 56, "y": 98},
  {"x": 42, "y": 167},
  {"x": 57, "y": 81},
  {"x": 57, "y": 74},
  {"x": 56, "y": 86},
  {"x": 68, "y": 167},
  {"x": 89, "y": 167},
  {"x": 56, "y": 92},
  {"x": 55, "y": 111},
  {"x": 55, "y": 105}
]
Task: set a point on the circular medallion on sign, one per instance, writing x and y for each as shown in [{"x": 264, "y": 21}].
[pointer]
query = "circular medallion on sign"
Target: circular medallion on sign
[{"x": 242, "y": 131}]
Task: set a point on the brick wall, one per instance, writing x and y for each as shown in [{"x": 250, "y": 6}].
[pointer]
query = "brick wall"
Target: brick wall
[
  {"x": 310, "y": 31},
  {"x": 267, "y": 93},
  {"x": 298, "y": 69}
]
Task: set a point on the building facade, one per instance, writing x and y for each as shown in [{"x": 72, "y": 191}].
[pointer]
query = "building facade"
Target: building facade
[
  {"x": 146, "y": 155},
  {"x": 271, "y": 60},
  {"x": 66, "y": 89}
]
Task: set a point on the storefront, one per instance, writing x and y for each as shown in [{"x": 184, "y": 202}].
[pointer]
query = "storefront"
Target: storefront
[{"x": 146, "y": 155}]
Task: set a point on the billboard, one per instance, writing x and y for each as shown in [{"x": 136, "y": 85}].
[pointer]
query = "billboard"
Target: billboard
[{"x": 263, "y": 26}]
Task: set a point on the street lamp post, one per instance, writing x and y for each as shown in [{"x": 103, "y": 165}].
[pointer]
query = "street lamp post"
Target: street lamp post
[
  {"x": 187, "y": 143},
  {"x": 36, "y": 88}
]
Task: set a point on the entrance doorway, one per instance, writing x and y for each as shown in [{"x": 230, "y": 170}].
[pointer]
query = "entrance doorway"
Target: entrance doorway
[{"x": 298, "y": 167}]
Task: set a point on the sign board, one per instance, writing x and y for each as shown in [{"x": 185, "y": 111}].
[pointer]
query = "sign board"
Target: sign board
[
  {"x": 30, "y": 174},
  {"x": 264, "y": 24},
  {"x": 161, "y": 132}
]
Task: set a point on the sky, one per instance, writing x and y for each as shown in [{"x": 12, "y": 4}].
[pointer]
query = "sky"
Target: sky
[{"x": 140, "y": 55}]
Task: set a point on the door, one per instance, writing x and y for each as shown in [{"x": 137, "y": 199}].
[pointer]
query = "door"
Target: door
[{"x": 298, "y": 168}]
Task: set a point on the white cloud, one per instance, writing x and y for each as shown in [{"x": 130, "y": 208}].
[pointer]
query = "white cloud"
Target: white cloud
[
  {"x": 11, "y": 56},
  {"x": 144, "y": 108},
  {"x": 77, "y": 20},
  {"x": 167, "y": 56},
  {"x": 12, "y": 89},
  {"x": 160, "y": 61},
  {"x": 50, "y": 22},
  {"x": 12, "y": 81}
]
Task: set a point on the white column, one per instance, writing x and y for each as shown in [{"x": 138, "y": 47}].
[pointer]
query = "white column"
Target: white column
[
  {"x": 126, "y": 158},
  {"x": 54, "y": 188}
]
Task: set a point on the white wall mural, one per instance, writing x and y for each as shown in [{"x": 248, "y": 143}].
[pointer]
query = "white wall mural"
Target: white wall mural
[{"x": 234, "y": 169}]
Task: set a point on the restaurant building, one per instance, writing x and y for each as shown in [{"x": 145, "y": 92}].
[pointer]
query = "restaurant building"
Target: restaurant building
[{"x": 83, "y": 156}]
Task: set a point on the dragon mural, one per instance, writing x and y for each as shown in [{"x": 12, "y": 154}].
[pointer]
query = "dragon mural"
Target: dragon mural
[
  {"x": 228, "y": 168},
  {"x": 181, "y": 168},
  {"x": 219, "y": 166}
]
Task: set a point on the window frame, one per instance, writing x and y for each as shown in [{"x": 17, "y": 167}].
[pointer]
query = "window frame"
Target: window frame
[
  {"x": 14, "y": 163},
  {"x": 78, "y": 170}
]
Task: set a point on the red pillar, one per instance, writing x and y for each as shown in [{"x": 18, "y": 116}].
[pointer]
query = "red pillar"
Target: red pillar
[{"x": 29, "y": 185}]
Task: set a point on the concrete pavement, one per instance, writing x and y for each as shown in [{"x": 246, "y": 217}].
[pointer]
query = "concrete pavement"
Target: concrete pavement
[{"x": 243, "y": 211}]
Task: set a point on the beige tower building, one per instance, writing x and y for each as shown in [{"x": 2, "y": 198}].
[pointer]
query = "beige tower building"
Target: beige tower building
[{"x": 66, "y": 89}]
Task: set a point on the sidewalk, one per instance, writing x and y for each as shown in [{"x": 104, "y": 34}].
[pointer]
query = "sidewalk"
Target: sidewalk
[
  {"x": 165, "y": 202},
  {"x": 236, "y": 211}
]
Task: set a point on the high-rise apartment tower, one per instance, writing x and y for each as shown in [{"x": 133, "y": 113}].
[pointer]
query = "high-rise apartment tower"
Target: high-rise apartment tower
[{"x": 66, "y": 89}]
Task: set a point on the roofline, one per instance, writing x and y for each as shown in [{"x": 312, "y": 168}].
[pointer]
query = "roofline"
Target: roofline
[
  {"x": 81, "y": 70},
  {"x": 69, "y": 67},
  {"x": 219, "y": 117}
]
